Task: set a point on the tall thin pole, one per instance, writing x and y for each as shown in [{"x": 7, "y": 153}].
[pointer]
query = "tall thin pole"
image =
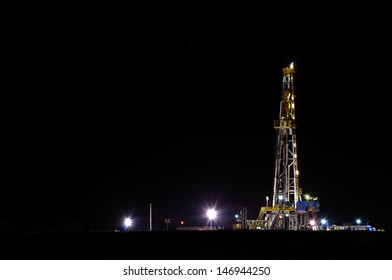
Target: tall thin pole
[{"x": 150, "y": 216}]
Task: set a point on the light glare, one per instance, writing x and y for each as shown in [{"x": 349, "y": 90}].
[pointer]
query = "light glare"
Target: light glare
[
  {"x": 127, "y": 222},
  {"x": 211, "y": 214}
]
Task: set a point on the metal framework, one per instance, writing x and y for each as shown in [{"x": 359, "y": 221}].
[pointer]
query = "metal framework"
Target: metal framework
[
  {"x": 287, "y": 210},
  {"x": 241, "y": 218}
]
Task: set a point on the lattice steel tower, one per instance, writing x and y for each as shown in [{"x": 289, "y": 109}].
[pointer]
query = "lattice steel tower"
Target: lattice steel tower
[{"x": 287, "y": 211}]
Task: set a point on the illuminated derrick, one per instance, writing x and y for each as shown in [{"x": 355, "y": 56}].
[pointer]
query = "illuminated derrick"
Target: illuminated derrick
[{"x": 287, "y": 210}]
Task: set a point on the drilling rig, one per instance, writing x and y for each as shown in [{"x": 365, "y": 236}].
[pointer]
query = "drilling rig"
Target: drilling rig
[{"x": 289, "y": 208}]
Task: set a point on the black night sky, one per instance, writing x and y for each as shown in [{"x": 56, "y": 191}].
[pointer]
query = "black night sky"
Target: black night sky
[{"x": 173, "y": 104}]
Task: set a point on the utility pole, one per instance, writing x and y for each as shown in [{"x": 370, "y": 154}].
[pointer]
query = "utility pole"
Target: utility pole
[
  {"x": 150, "y": 216},
  {"x": 167, "y": 222}
]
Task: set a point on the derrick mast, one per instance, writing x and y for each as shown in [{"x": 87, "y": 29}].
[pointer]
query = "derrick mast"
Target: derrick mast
[
  {"x": 287, "y": 211},
  {"x": 286, "y": 190}
]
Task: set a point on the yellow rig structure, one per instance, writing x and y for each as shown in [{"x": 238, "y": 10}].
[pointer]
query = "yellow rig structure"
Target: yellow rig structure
[{"x": 289, "y": 209}]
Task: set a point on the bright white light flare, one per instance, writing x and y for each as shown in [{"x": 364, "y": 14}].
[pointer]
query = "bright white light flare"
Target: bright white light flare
[
  {"x": 211, "y": 214},
  {"x": 127, "y": 222}
]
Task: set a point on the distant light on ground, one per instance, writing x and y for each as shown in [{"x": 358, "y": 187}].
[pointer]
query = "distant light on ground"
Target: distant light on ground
[
  {"x": 127, "y": 222},
  {"x": 211, "y": 214}
]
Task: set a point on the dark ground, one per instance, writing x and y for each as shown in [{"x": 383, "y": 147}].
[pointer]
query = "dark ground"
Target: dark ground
[{"x": 197, "y": 245}]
